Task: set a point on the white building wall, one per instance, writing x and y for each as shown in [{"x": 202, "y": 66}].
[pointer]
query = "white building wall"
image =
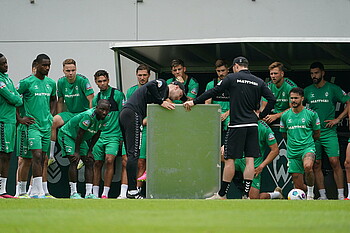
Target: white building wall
[{"x": 83, "y": 29}]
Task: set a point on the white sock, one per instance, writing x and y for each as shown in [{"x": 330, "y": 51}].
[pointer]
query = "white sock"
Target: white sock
[
  {"x": 3, "y": 181},
  {"x": 105, "y": 191},
  {"x": 38, "y": 186},
  {"x": 95, "y": 190},
  {"x": 310, "y": 191},
  {"x": 73, "y": 188},
  {"x": 348, "y": 190},
  {"x": 17, "y": 189},
  {"x": 274, "y": 195},
  {"x": 341, "y": 194},
  {"x": 29, "y": 189},
  {"x": 123, "y": 190},
  {"x": 88, "y": 188},
  {"x": 22, "y": 187},
  {"x": 322, "y": 193},
  {"x": 46, "y": 190},
  {"x": 52, "y": 149}
]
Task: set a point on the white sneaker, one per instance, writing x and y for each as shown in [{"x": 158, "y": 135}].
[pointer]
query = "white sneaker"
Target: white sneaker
[
  {"x": 341, "y": 197},
  {"x": 309, "y": 198},
  {"x": 122, "y": 197},
  {"x": 216, "y": 196}
]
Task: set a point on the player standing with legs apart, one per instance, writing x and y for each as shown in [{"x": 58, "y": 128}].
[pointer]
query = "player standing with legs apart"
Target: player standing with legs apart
[
  {"x": 39, "y": 98},
  {"x": 9, "y": 100},
  {"x": 300, "y": 127},
  {"x": 73, "y": 138},
  {"x": 322, "y": 97},
  {"x": 135, "y": 109},
  {"x": 107, "y": 146},
  {"x": 73, "y": 90},
  {"x": 245, "y": 91}
]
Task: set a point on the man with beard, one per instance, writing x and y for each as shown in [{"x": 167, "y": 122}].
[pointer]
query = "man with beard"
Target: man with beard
[
  {"x": 300, "y": 127},
  {"x": 280, "y": 87},
  {"x": 322, "y": 97},
  {"x": 39, "y": 99}
]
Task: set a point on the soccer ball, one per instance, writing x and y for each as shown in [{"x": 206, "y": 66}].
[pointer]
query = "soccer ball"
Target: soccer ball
[{"x": 296, "y": 194}]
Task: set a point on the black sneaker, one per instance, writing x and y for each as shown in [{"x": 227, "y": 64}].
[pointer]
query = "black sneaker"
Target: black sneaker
[{"x": 134, "y": 196}]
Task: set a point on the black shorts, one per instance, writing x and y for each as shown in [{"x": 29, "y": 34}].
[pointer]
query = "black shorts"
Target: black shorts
[
  {"x": 131, "y": 127},
  {"x": 242, "y": 141}
]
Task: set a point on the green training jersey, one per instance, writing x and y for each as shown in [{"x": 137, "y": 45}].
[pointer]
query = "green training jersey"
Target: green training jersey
[
  {"x": 87, "y": 121},
  {"x": 112, "y": 128},
  {"x": 191, "y": 85},
  {"x": 323, "y": 101},
  {"x": 266, "y": 139},
  {"x": 36, "y": 99},
  {"x": 281, "y": 94},
  {"x": 131, "y": 91},
  {"x": 299, "y": 128},
  {"x": 74, "y": 94},
  {"x": 9, "y": 100},
  {"x": 225, "y": 105}
]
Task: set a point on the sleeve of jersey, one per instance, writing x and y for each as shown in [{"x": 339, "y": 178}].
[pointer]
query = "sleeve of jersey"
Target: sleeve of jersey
[
  {"x": 282, "y": 124},
  {"x": 94, "y": 101},
  {"x": 11, "y": 97},
  {"x": 271, "y": 100},
  {"x": 208, "y": 87},
  {"x": 270, "y": 136},
  {"x": 224, "y": 84},
  {"x": 316, "y": 122},
  {"x": 341, "y": 95},
  {"x": 85, "y": 122},
  {"x": 153, "y": 87},
  {"x": 22, "y": 87},
  {"x": 59, "y": 89},
  {"x": 87, "y": 88},
  {"x": 193, "y": 89},
  {"x": 119, "y": 97},
  {"x": 54, "y": 88}
]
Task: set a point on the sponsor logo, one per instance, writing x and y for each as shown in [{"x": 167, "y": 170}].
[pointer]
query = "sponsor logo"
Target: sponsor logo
[
  {"x": 70, "y": 96},
  {"x": 247, "y": 82},
  {"x": 319, "y": 101},
  {"x": 42, "y": 94}
]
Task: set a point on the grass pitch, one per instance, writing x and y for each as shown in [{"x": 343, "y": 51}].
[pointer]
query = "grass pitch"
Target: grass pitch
[{"x": 64, "y": 215}]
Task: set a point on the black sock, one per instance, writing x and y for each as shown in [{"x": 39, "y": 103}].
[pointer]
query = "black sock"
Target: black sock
[
  {"x": 247, "y": 185},
  {"x": 224, "y": 188}
]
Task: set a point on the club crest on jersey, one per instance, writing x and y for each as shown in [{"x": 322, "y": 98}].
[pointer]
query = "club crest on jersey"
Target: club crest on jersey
[
  {"x": 159, "y": 83},
  {"x": 86, "y": 123},
  {"x": 303, "y": 120},
  {"x": 76, "y": 88},
  {"x": 47, "y": 86},
  {"x": 326, "y": 94},
  {"x": 2, "y": 85},
  {"x": 283, "y": 94},
  {"x": 194, "y": 91}
]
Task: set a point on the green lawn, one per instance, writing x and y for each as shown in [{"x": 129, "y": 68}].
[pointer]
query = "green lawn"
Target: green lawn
[{"x": 64, "y": 215}]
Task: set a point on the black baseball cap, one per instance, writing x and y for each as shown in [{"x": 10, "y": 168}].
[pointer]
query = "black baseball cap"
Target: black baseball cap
[
  {"x": 182, "y": 87},
  {"x": 240, "y": 61}
]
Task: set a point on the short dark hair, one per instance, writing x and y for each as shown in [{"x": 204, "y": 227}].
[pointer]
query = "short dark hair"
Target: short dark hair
[
  {"x": 177, "y": 62},
  {"x": 143, "y": 67},
  {"x": 297, "y": 90},
  {"x": 221, "y": 62},
  {"x": 317, "y": 64},
  {"x": 69, "y": 61},
  {"x": 101, "y": 73},
  {"x": 34, "y": 63},
  {"x": 41, "y": 57}
]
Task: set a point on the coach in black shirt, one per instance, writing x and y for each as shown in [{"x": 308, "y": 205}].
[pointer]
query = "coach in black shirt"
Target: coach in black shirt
[
  {"x": 132, "y": 114},
  {"x": 241, "y": 139}
]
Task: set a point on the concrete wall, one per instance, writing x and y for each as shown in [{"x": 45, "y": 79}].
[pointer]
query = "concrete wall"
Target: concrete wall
[{"x": 83, "y": 29}]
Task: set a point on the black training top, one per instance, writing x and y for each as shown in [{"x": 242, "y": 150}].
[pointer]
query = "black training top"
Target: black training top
[
  {"x": 245, "y": 94},
  {"x": 155, "y": 91}
]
